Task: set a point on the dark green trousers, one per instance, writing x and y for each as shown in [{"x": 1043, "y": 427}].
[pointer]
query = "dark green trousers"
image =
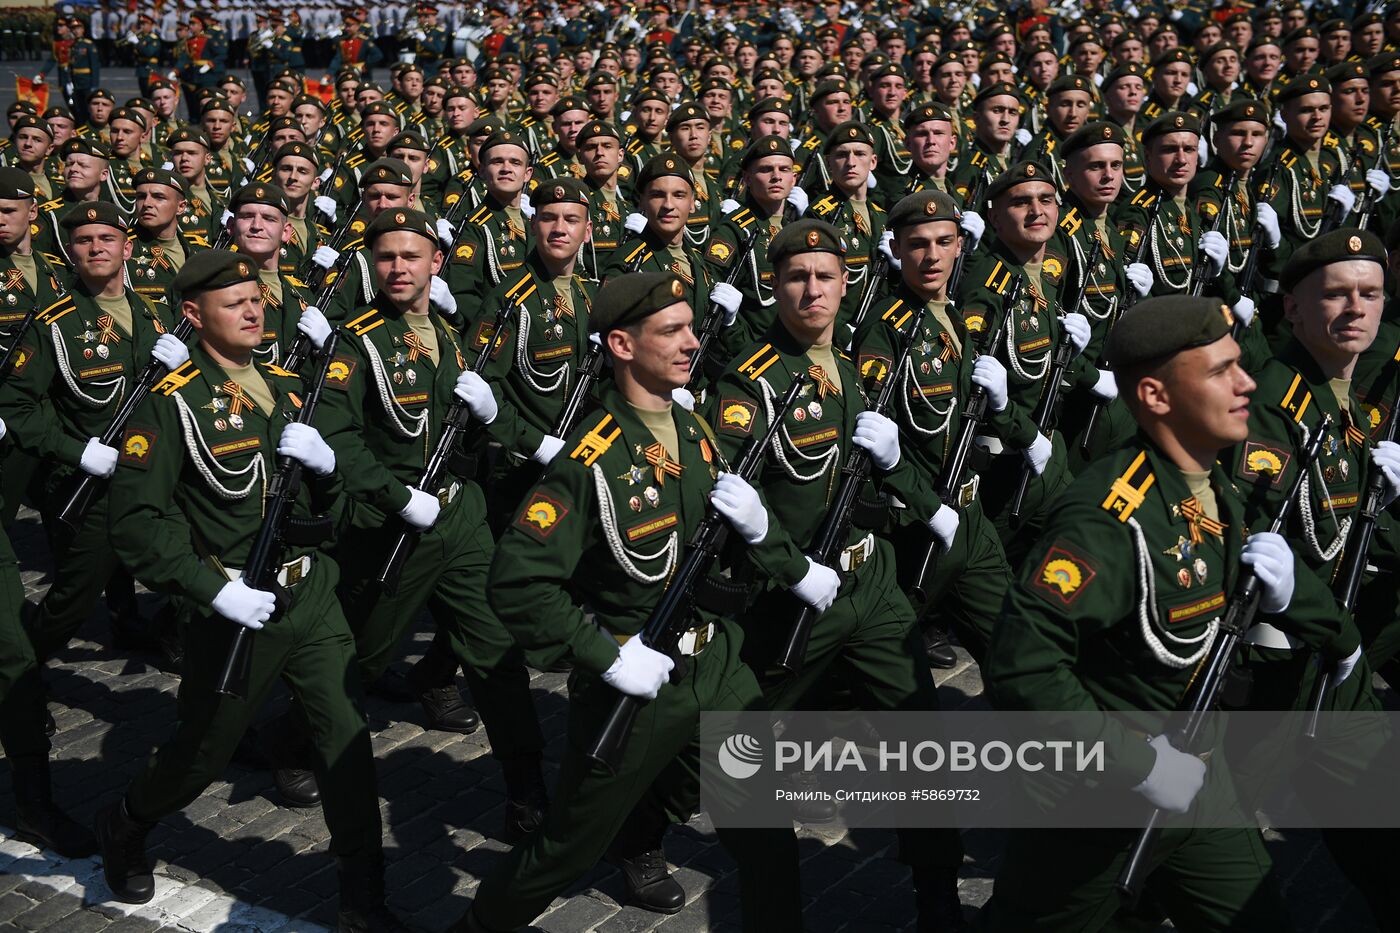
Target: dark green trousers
[
  {"x": 83, "y": 562},
  {"x": 21, "y": 691},
  {"x": 659, "y": 769},
  {"x": 447, "y": 573},
  {"x": 311, "y": 649},
  {"x": 1000, "y": 479}
]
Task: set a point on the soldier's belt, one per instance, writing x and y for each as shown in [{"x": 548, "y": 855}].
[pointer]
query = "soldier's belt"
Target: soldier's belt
[
  {"x": 448, "y": 493},
  {"x": 1265, "y": 635},
  {"x": 967, "y": 492},
  {"x": 692, "y": 642},
  {"x": 858, "y": 553},
  {"x": 288, "y": 575}
]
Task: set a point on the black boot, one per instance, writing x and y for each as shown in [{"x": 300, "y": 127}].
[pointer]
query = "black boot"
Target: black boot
[
  {"x": 122, "y": 841},
  {"x": 649, "y": 882},
  {"x": 362, "y": 908},
  {"x": 526, "y": 798},
  {"x": 40, "y": 821},
  {"x": 297, "y": 787},
  {"x": 434, "y": 683},
  {"x": 936, "y": 893},
  {"x": 938, "y": 649}
]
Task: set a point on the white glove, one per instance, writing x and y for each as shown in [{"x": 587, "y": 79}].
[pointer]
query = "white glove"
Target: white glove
[
  {"x": 204, "y": 69},
  {"x": 988, "y": 373},
  {"x": 171, "y": 353},
  {"x": 248, "y": 165},
  {"x": 1379, "y": 182},
  {"x": 167, "y": 166},
  {"x": 1215, "y": 248},
  {"x": 1343, "y": 196},
  {"x": 798, "y": 199},
  {"x": 38, "y": 79},
  {"x": 639, "y": 671},
  {"x": 738, "y": 502},
  {"x": 1076, "y": 326},
  {"x": 870, "y": 182},
  {"x": 334, "y": 33},
  {"x": 4, "y": 429},
  {"x": 422, "y": 509},
  {"x": 326, "y": 205},
  {"x": 445, "y": 232},
  {"x": 1202, "y": 151},
  {"x": 728, "y": 206},
  {"x": 1268, "y": 224},
  {"x": 440, "y": 294},
  {"x": 1345, "y": 666},
  {"x": 886, "y": 239},
  {"x": 304, "y": 444},
  {"x": 239, "y": 602},
  {"x": 326, "y": 175},
  {"x": 1038, "y": 454},
  {"x": 133, "y": 38},
  {"x": 526, "y": 207},
  {"x": 1386, "y": 454},
  {"x": 224, "y": 218},
  {"x": 1023, "y": 137},
  {"x": 635, "y": 222},
  {"x": 819, "y": 587},
  {"x": 98, "y": 459},
  {"x": 314, "y": 325},
  {"x": 1243, "y": 309},
  {"x": 684, "y": 398},
  {"x": 1140, "y": 277},
  {"x": 1098, "y": 79},
  {"x": 325, "y": 257},
  {"x": 1175, "y": 15},
  {"x": 475, "y": 391},
  {"x": 1176, "y": 777},
  {"x": 1191, "y": 89},
  {"x": 974, "y": 226},
  {"x": 1106, "y": 387},
  {"x": 549, "y": 449},
  {"x": 944, "y": 526},
  {"x": 729, "y": 298},
  {"x": 879, "y": 437},
  {"x": 1269, "y": 555}
]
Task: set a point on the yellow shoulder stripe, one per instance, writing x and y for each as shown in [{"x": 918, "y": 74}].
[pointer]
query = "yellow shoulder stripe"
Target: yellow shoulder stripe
[
  {"x": 365, "y": 323},
  {"x": 756, "y": 365},
  {"x": 1130, "y": 489},
  {"x": 176, "y": 380},
  {"x": 596, "y": 442}
]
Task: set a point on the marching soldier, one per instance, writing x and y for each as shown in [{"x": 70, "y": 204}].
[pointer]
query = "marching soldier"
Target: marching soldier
[
  {"x": 296, "y": 169},
  {"x": 495, "y": 238},
  {"x": 599, "y": 148},
  {"x": 159, "y": 243}
]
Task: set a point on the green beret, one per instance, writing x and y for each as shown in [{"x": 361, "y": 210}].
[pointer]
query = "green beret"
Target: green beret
[
  {"x": 379, "y": 109},
  {"x": 1093, "y": 134},
  {"x": 1338, "y": 246},
  {"x": 805, "y": 236},
  {"x": 1333, "y": 25},
  {"x": 1245, "y": 110},
  {"x": 408, "y": 139},
  {"x": 308, "y": 100},
  {"x": 927, "y": 113},
  {"x": 659, "y": 166},
  {"x": 627, "y": 299},
  {"x": 769, "y": 105},
  {"x": 683, "y": 113},
  {"x": 102, "y": 94},
  {"x": 650, "y": 93},
  {"x": 502, "y": 138},
  {"x": 92, "y": 212},
  {"x": 852, "y": 131},
  {"x": 401, "y": 218},
  {"x": 1302, "y": 32},
  {"x": 1171, "y": 57},
  {"x": 237, "y": 81},
  {"x": 1082, "y": 38},
  {"x": 387, "y": 171},
  {"x": 1347, "y": 71},
  {"x": 284, "y": 85},
  {"x": 595, "y": 128},
  {"x": 1019, "y": 174},
  {"x": 998, "y": 89},
  {"x": 15, "y": 184},
  {"x": 1125, "y": 70},
  {"x": 1261, "y": 40},
  {"x": 287, "y": 122},
  {"x": 828, "y": 87},
  {"x": 715, "y": 84},
  {"x": 129, "y": 115},
  {"x": 30, "y": 122},
  {"x": 1069, "y": 83},
  {"x": 1303, "y": 84},
  {"x": 160, "y": 176},
  {"x": 1156, "y": 328},
  {"x": 923, "y": 207},
  {"x": 21, "y": 106},
  {"x": 212, "y": 269},
  {"x": 763, "y": 147},
  {"x": 1382, "y": 63},
  {"x": 188, "y": 134},
  {"x": 217, "y": 102},
  {"x": 886, "y": 71},
  {"x": 1367, "y": 19},
  {"x": 540, "y": 77},
  {"x": 559, "y": 191},
  {"x": 484, "y": 126},
  {"x": 600, "y": 79},
  {"x": 85, "y": 145},
  {"x": 298, "y": 149},
  {"x": 567, "y": 103},
  {"x": 260, "y": 193},
  {"x": 58, "y": 112},
  {"x": 1173, "y": 121}
]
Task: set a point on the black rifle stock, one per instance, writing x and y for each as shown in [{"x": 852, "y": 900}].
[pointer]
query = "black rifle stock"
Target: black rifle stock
[
  {"x": 1185, "y": 728},
  {"x": 713, "y": 322},
  {"x": 666, "y": 624},
  {"x": 1249, "y": 272},
  {"x": 13, "y": 349},
  {"x": 1199, "y": 275}
]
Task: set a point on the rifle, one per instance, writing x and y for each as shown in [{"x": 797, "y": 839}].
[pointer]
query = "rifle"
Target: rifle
[
  {"x": 666, "y": 624},
  {"x": 1250, "y": 271},
  {"x": 973, "y": 415},
  {"x": 1198, "y": 274},
  {"x": 1130, "y": 297},
  {"x": 453, "y": 424},
  {"x": 713, "y": 320},
  {"x": 13, "y": 349},
  {"x": 875, "y": 272},
  {"x": 832, "y": 533},
  {"x": 1334, "y": 217},
  {"x": 587, "y": 374},
  {"x": 1368, "y": 197},
  {"x": 1050, "y": 398},
  {"x": 80, "y": 500},
  {"x": 1210, "y": 677},
  {"x": 260, "y": 573},
  {"x": 1353, "y": 569},
  {"x": 342, "y": 234}
]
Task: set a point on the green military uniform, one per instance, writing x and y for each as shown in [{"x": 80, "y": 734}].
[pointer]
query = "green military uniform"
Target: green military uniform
[
  {"x": 493, "y": 243},
  {"x": 49, "y": 238},
  {"x": 862, "y": 229},
  {"x": 155, "y": 262},
  {"x": 648, "y": 253}
]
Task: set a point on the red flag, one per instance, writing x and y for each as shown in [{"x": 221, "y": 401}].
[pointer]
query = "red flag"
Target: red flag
[{"x": 36, "y": 94}]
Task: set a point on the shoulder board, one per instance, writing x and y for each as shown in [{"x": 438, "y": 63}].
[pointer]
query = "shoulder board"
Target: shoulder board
[
  {"x": 596, "y": 442},
  {"x": 641, "y": 247},
  {"x": 1296, "y": 400},
  {"x": 977, "y": 159},
  {"x": 1331, "y": 140},
  {"x": 1144, "y": 198},
  {"x": 278, "y": 370},
  {"x": 549, "y": 159},
  {"x": 58, "y": 309},
  {"x": 53, "y": 205},
  {"x": 635, "y": 146},
  {"x": 1288, "y": 159},
  {"x": 1070, "y": 223},
  {"x": 826, "y": 205},
  {"x": 176, "y": 379},
  {"x": 355, "y": 160},
  {"x": 517, "y": 293},
  {"x": 1129, "y": 489},
  {"x": 897, "y": 315},
  {"x": 364, "y": 323},
  {"x": 998, "y": 278},
  {"x": 195, "y": 239},
  {"x": 293, "y": 280},
  {"x": 758, "y": 363},
  {"x": 483, "y": 213},
  {"x": 741, "y": 216}
]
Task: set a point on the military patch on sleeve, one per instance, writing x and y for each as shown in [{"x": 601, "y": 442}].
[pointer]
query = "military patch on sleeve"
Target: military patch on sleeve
[
  {"x": 465, "y": 253},
  {"x": 339, "y": 371},
  {"x": 541, "y": 516},
  {"x": 1053, "y": 266},
  {"x": 1063, "y": 575},
  {"x": 1262, "y": 460},
  {"x": 874, "y": 368},
  {"x": 23, "y": 355},
  {"x": 736, "y": 417},
  {"x": 136, "y": 447},
  {"x": 719, "y": 251}
]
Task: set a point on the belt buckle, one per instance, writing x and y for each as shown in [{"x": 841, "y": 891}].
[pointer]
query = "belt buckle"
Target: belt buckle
[
  {"x": 444, "y": 496},
  {"x": 967, "y": 493},
  {"x": 702, "y": 637},
  {"x": 856, "y": 555},
  {"x": 294, "y": 572}
]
